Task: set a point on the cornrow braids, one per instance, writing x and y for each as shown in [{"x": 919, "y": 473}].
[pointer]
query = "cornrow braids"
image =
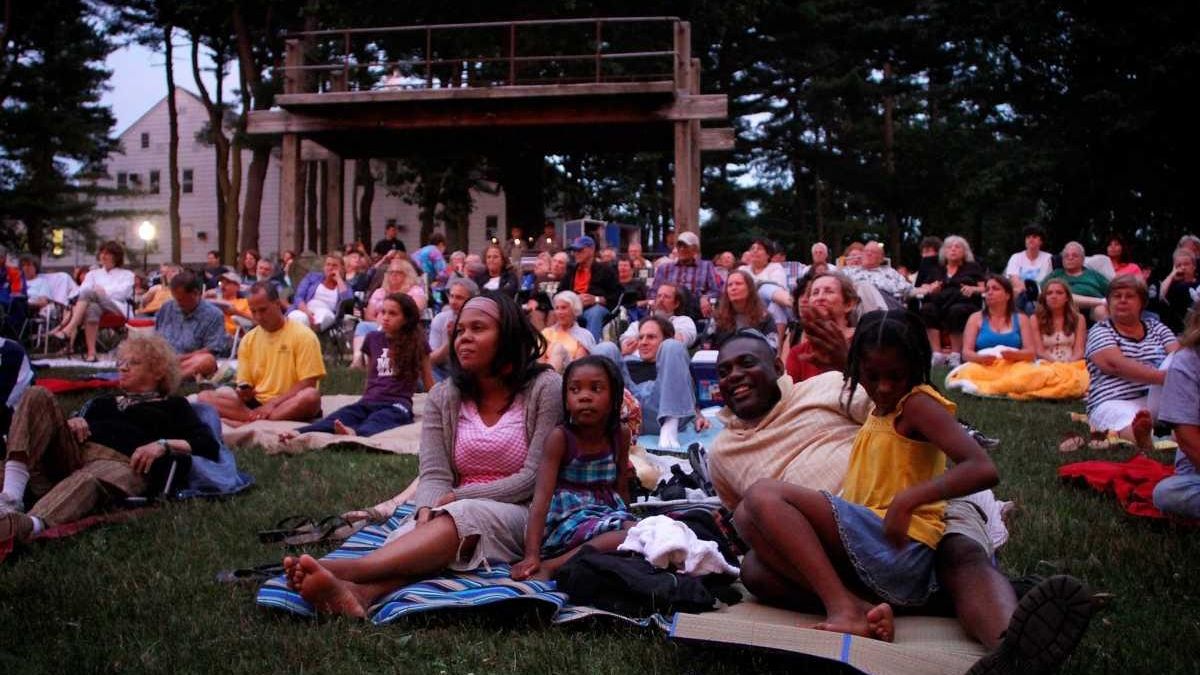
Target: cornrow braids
[{"x": 899, "y": 329}]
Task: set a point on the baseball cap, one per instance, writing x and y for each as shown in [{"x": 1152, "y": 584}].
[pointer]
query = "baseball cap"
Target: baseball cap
[
  {"x": 688, "y": 239},
  {"x": 230, "y": 275},
  {"x": 582, "y": 242}
]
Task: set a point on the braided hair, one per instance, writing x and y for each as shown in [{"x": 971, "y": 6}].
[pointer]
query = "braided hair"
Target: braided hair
[
  {"x": 899, "y": 329},
  {"x": 616, "y": 389}
]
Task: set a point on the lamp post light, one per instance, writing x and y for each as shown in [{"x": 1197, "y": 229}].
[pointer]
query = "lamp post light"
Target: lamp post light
[{"x": 146, "y": 232}]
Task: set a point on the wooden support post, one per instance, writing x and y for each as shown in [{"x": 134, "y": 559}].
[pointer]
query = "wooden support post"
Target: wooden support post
[
  {"x": 291, "y": 196},
  {"x": 686, "y": 197},
  {"x": 335, "y": 195}
]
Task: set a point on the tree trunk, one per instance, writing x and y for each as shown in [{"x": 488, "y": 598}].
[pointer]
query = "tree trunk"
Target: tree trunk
[
  {"x": 889, "y": 164},
  {"x": 364, "y": 178},
  {"x": 301, "y": 194},
  {"x": 226, "y": 239},
  {"x": 322, "y": 215},
  {"x": 310, "y": 207},
  {"x": 256, "y": 178},
  {"x": 521, "y": 178},
  {"x": 172, "y": 149}
]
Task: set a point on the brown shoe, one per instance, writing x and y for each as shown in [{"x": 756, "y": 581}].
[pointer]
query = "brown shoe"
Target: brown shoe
[{"x": 16, "y": 526}]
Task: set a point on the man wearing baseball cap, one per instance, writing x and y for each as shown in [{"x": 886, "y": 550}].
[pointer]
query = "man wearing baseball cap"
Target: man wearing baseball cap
[
  {"x": 595, "y": 284},
  {"x": 689, "y": 271}
]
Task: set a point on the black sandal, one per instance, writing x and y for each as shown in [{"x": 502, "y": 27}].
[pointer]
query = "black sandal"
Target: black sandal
[{"x": 287, "y": 527}]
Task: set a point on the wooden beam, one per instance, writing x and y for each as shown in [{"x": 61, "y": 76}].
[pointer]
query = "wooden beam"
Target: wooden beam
[
  {"x": 290, "y": 196},
  {"x": 717, "y": 140},
  {"x": 683, "y": 55},
  {"x": 379, "y": 96},
  {"x": 311, "y": 151},
  {"x": 293, "y": 57},
  {"x": 688, "y": 107},
  {"x": 697, "y": 176}
]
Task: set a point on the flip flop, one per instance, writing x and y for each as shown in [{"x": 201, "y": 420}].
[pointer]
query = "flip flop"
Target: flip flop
[
  {"x": 327, "y": 530},
  {"x": 287, "y": 527},
  {"x": 250, "y": 575}
]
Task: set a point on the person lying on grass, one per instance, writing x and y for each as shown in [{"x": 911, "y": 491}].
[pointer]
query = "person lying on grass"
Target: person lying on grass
[
  {"x": 777, "y": 431},
  {"x": 396, "y": 355},
  {"x": 583, "y": 481},
  {"x": 886, "y": 524},
  {"x": 481, "y": 444}
]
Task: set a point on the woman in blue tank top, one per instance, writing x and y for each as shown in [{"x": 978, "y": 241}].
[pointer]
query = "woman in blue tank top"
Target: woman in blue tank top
[{"x": 998, "y": 324}]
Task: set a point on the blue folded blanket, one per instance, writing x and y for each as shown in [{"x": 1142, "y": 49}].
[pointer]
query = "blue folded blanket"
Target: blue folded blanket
[{"x": 476, "y": 588}]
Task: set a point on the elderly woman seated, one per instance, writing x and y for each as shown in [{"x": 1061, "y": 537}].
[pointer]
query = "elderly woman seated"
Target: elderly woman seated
[
  {"x": 659, "y": 376},
  {"x": 1123, "y": 354},
  {"x": 137, "y": 442},
  {"x": 1088, "y": 287},
  {"x": 566, "y": 340}
]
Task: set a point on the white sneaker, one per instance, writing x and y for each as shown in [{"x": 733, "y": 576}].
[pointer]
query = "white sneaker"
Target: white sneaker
[
  {"x": 10, "y": 505},
  {"x": 954, "y": 360},
  {"x": 939, "y": 359}
]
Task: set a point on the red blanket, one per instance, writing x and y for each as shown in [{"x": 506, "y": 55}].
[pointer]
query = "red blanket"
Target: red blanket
[
  {"x": 60, "y": 386},
  {"x": 74, "y": 528},
  {"x": 1131, "y": 482}
]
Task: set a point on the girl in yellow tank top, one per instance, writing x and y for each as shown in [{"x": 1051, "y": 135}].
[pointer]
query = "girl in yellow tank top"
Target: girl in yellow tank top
[{"x": 886, "y": 523}]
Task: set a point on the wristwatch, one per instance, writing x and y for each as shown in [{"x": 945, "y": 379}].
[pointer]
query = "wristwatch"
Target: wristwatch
[{"x": 165, "y": 446}]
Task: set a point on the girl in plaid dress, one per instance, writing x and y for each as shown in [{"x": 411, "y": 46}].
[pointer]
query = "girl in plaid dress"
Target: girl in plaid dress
[{"x": 583, "y": 480}]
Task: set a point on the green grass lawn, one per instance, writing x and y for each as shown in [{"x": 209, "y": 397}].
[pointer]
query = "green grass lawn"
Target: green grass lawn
[{"x": 140, "y": 596}]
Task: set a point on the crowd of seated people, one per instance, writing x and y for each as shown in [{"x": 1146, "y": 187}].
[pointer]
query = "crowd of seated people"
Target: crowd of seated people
[{"x": 516, "y": 337}]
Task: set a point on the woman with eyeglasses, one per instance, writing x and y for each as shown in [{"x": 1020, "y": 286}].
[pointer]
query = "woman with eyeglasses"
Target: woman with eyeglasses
[
  {"x": 400, "y": 277},
  {"x": 139, "y": 441}
]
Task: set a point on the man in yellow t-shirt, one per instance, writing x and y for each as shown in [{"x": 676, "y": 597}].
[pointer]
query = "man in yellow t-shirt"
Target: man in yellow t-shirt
[{"x": 279, "y": 368}]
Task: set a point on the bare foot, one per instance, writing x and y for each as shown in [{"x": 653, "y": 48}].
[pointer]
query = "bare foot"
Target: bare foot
[
  {"x": 857, "y": 621},
  {"x": 327, "y": 593},
  {"x": 1143, "y": 430},
  {"x": 293, "y": 573},
  {"x": 286, "y": 436},
  {"x": 882, "y": 622},
  {"x": 343, "y": 430}
]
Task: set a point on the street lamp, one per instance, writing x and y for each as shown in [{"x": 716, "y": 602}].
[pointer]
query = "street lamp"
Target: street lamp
[{"x": 146, "y": 232}]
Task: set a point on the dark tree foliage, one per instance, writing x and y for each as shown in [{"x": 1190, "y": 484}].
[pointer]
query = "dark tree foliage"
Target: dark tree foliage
[{"x": 51, "y": 78}]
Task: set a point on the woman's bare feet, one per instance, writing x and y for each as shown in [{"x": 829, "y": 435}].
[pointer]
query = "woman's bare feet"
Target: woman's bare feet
[
  {"x": 864, "y": 620},
  {"x": 286, "y": 436},
  {"x": 326, "y": 593},
  {"x": 343, "y": 430},
  {"x": 1143, "y": 430}
]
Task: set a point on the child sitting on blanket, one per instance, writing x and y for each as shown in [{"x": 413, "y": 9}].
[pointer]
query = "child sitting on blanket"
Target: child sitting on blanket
[
  {"x": 396, "y": 354},
  {"x": 884, "y": 527},
  {"x": 583, "y": 480}
]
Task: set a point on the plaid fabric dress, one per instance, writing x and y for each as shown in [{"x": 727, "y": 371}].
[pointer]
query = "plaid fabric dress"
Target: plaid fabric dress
[{"x": 585, "y": 501}]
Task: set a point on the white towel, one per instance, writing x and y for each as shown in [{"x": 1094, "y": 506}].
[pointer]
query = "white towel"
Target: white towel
[{"x": 665, "y": 542}]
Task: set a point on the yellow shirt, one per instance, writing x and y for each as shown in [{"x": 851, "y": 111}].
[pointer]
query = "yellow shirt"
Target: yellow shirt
[
  {"x": 241, "y": 305},
  {"x": 159, "y": 295},
  {"x": 274, "y": 362},
  {"x": 883, "y": 463}
]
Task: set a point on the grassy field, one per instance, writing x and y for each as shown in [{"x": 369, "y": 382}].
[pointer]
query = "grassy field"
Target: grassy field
[{"x": 140, "y": 596}]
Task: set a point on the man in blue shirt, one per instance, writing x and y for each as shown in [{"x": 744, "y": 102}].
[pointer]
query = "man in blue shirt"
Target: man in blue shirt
[{"x": 194, "y": 327}]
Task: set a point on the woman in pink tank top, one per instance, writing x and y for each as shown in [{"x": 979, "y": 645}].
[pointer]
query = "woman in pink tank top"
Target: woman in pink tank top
[{"x": 481, "y": 442}]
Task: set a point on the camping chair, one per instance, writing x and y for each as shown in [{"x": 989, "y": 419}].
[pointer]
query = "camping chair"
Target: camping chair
[
  {"x": 114, "y": 327},
  {"x": 336, "y": 341}
]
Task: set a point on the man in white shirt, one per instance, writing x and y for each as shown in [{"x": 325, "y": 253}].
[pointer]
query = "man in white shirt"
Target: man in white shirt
[
  {"x": 667, "y": 303},
  {"x": 1031, "y": 265}
]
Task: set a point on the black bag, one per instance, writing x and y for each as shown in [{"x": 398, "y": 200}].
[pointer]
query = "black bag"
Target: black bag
[{"x": 625, "y": 583}]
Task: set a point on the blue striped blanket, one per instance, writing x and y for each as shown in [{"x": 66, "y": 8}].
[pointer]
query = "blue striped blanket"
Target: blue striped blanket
[{"x": 453, "y": 590}]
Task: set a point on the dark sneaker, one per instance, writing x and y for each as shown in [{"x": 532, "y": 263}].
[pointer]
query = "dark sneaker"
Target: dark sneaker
[{"x": 1046, "y": 627}]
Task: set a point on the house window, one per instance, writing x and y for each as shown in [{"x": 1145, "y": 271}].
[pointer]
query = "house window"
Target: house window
[
  {"x": 392, "y": 172},
  {"x": 135, "y": 181},
  {"x": 492, "y": 224},
  {"x": 122, "y": 180},
  {"x": 187, "y": 181},
  {"x": 155, "y": 180},
  {"x": 145, "y": 140}
]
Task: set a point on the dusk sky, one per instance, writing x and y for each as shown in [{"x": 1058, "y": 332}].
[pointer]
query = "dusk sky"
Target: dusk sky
[{"x": 138, "y": 80}]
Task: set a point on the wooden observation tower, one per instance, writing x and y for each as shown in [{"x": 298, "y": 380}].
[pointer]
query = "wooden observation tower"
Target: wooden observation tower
[{"x": 595, "y": 98}]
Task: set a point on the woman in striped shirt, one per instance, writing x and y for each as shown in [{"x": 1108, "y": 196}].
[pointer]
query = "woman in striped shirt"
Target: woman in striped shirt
[{"x": 1123, "y": 354}]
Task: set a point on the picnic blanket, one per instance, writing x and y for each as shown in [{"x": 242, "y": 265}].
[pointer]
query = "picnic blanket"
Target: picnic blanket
[
  {"x": 1021, "y": 380},
  {"x": 1131, "y": 482},
  {"x": 923, "y": 644},
  {"x": 687, "y": 435},
  {"x": 58, "y": 385},
  {"x": 265, "y": 434}
]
